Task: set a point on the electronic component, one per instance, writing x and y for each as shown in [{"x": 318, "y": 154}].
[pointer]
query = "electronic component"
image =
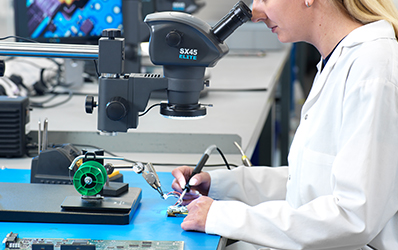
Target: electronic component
[
  {"x": 11, "y": 241},
  {"x": 78, "y": 246},
  {"x": 88, "y": 244},
  {"x": 177, "y": 211},
  {"x": 14, "y": 118},
  {"x": 42, "y": 246}
]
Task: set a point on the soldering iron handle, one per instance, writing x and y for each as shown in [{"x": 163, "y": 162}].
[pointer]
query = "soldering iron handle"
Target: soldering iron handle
[
  {"x": 200, "y": 165},
  {"x": 197, "y": 169}
]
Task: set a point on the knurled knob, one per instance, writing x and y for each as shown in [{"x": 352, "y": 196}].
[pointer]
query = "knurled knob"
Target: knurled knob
[
  {"x": 174, "y": 38},
  {"x": 117, "y": 108},
  {"x": 90, "y": 104},
  {"x": 111, "y": 33}
]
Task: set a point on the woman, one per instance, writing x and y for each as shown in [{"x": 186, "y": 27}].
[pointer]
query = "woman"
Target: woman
[{"x": 340, "y": 190}]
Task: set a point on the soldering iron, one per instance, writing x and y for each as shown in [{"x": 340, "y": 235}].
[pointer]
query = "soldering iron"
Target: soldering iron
[{"x": 196, "y": 170}]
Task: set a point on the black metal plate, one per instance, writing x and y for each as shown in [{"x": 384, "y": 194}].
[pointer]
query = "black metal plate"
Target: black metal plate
[{"x": 30, "y": 202}]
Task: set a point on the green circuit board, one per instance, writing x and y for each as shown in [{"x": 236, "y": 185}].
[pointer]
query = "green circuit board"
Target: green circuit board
[{"x": 13, "y": 242}]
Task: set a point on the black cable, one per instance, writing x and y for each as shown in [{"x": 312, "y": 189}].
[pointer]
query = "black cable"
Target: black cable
[
  {"x": 19, "y": 37},
  {"x": 85, "y": 94},
  {"x": 58, "y": 75},
  {"x": 148, "y": 109},
  {"x": 57, "y": 71},
  {"x": 223, "y": 157},
  {"x": 41, "y": 104},
  {"x": 96, "y": 68},
  {"x": 51, "y": 59}
]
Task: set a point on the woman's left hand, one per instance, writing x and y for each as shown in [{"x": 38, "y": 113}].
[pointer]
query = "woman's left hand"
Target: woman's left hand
[{"x": 197, "y": 214}]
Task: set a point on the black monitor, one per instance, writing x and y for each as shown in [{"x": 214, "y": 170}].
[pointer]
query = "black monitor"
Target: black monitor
[
  {"x": 66, "y": 21},
  {"x": 82, "y": 21}
]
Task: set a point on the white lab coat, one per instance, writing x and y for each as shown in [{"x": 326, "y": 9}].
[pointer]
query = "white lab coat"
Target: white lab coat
[{"x": 340, "y": 190}]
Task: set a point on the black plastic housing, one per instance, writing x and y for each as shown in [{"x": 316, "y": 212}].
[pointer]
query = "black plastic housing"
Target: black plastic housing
[{"x": 14, "y": 115}]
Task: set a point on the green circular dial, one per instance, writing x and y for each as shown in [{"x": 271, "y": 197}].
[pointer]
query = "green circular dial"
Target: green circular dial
[{"x": 90, "y": 178}]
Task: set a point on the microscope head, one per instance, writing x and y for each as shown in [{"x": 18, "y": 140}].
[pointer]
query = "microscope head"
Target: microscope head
[
  {"x": 180, "y": 39},
  {"x": 185, "y": 45}
]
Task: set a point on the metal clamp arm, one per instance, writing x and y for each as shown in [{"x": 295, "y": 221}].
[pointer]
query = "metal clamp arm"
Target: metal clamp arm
[
  {"x": 92, "y": 157},
  {"x": 85, "y": 52}
]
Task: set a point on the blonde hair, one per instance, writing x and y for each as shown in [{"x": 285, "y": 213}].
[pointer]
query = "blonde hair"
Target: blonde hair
[{"x": 367, "y": 11}]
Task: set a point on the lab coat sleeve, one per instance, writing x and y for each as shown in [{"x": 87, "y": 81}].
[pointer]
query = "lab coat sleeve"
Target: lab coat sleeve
[
  {"x": 364, "y": 184},
  {"x": 266, "y": 183}
]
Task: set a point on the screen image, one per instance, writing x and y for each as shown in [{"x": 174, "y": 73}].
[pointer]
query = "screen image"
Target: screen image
[{"x": 54, "y": 20}]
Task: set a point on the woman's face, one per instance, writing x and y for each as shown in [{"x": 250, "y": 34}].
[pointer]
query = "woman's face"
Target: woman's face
[{"x": 287, "y": 18}]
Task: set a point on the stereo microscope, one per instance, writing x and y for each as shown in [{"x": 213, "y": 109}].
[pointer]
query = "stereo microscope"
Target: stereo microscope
[{"x": 184, "y": 46}]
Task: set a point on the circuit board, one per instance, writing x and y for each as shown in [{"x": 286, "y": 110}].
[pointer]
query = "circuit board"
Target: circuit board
[
  {"x": 177, "y": 211},
  {"x": 13, "y": 242}
]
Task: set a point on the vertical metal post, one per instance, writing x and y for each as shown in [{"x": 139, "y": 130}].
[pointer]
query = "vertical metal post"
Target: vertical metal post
[{"x": 132, "y": 25}]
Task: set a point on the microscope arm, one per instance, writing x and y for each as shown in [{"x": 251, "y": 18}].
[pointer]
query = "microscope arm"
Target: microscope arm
[{"x": 49, "y": 50}]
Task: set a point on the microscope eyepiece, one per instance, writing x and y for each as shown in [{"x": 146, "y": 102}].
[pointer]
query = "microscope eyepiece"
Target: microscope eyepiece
[{"x": 238, "y": 15}]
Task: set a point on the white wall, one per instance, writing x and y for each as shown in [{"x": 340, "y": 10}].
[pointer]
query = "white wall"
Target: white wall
[
  {"x": 214, "y": 10},
  {"x": 6, "y": 18}
]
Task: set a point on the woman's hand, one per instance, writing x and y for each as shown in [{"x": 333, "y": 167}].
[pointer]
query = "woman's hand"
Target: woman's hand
[
  {"x": 200, "y": 183},
  {"x": 197, "y": 214}
]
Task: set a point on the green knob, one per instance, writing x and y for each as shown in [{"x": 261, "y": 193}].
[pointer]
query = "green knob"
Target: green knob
[{"x": 90, "y": 178}]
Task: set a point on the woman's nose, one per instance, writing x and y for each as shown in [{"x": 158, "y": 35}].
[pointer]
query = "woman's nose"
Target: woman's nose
[{"x": 258, "y": 13}]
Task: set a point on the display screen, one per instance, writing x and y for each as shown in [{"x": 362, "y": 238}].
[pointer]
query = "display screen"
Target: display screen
[{"x": 70, "y": 21}]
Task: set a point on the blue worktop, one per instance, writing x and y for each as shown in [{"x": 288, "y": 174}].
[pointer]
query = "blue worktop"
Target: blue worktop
[{"x": 149, "y": 222}]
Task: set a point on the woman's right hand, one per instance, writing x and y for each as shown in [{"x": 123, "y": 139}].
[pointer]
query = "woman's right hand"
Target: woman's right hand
[{"x": 200, "y": 183}]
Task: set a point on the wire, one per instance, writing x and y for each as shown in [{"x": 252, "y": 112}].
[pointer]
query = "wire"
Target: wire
[
  {"x": 55, "y": 94},
  {"x": 96, "y": 68},
  {"x": 148, "y": 109},
  {"x": 228, "y": 165},
  {"x": 224, "y": 159},
  {"x": 59, "y": 65},
  {"x": 172, "y": 194},
  {"x": 163, "y": 164},
  {"x": 45, "y": 79},
  {"x": 19, "y": 37}
]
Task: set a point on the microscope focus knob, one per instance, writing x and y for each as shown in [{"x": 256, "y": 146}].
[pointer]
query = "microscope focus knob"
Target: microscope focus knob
[
  {"x": 117, "y": 108},
  {"x": 111, "y": 33},
  {"x": 174, "y": 38},
  {"x": 90, "y": 104}
]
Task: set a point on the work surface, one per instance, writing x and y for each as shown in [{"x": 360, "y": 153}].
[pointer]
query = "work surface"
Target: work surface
[{"x": 148, "y": 223}]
